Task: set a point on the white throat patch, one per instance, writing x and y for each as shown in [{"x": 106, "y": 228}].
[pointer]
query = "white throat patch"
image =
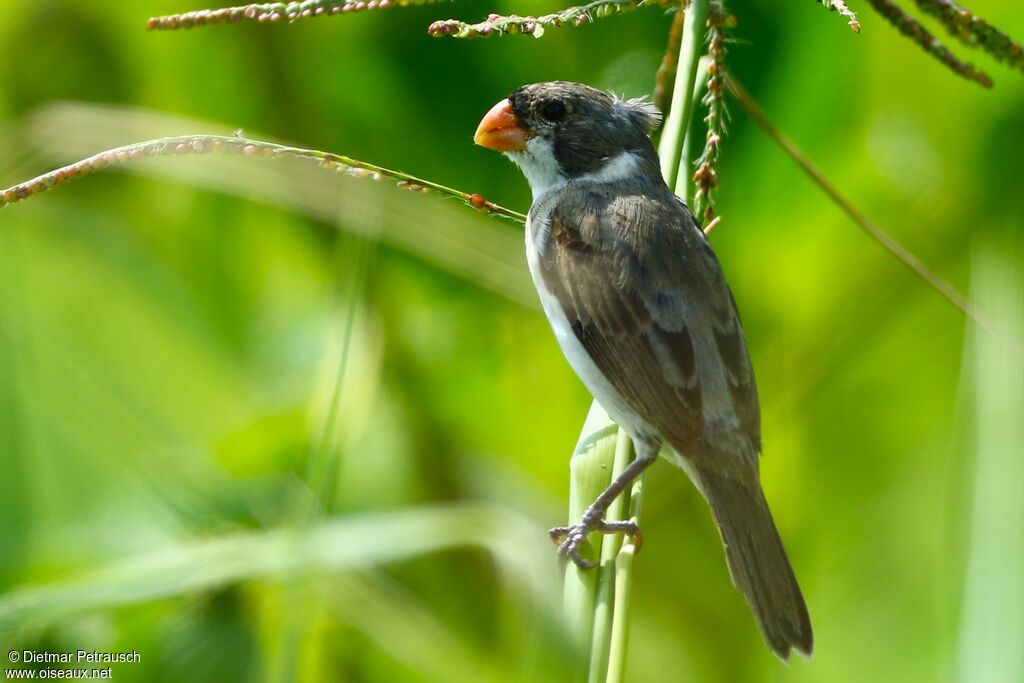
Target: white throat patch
[
  {"x": 542, "y": 172},
  {"x": 538, "y": 164}
]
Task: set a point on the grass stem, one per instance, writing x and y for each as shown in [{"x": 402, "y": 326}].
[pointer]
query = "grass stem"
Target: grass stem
[
  {"x": 596, "y": 602},
  {"x": 205, "y": 144},
  {"x": 694, "y": 30},
  {"x": 590, "y": 472},
  {"x": 901, "y": 253}
]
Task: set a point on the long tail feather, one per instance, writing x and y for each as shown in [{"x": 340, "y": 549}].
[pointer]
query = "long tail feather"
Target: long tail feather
[{"x": 757, "y": 561}]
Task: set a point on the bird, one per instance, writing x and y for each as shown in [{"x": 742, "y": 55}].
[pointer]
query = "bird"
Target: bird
[{"x": 641, "y": 309}]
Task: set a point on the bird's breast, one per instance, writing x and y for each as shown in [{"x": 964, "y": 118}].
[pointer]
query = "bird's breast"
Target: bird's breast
[{"x": 538, "y": 230}]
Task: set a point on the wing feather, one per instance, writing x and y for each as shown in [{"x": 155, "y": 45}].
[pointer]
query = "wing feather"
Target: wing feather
[{"x": 646, "y": 298}]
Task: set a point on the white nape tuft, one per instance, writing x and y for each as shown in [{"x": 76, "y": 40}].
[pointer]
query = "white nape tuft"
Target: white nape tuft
[
  {"x": 539, "y": 165},
  {"x": 641, "y": 109}
]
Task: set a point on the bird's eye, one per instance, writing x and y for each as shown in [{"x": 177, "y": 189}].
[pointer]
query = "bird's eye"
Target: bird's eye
[{"x": 553, "y": 111}]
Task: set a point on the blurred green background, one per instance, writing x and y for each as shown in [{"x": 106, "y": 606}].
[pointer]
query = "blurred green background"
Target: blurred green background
[{"x": 262, "y": 423}]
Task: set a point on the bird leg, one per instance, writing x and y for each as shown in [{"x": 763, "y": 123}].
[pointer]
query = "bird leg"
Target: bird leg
[{"x": 571, "y": 538}]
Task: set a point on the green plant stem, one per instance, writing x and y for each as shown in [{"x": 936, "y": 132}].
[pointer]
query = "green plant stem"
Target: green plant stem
[
  {"x": 685, "y": 153},
  {"x": 607, "y": 588},
  {"x": 623, "y": 591},
  {"x": 974, "y": 31},
  {"x": 666, "y": 75},
  {"x": 915, "y": 265},
  {"x": 515, "y": 25},
  {"x": 991, "y": 625},
  {"x": 205, "y": 144},
  {"x": 596, "y": 602},
  {"x": 912, "y": 28},
  {"x": 705, "y": 178},
  {"x": 590, "y": 472},
  {"x": 680, "y": 106},
  {"x": 264, "y": 12},
  {"x": 694, "y": 31}
]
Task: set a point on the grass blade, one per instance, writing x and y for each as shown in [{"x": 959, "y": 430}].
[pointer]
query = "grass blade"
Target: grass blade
[
  {"x": 992, "y": 621},
  {"x": 340, "y": 544}
]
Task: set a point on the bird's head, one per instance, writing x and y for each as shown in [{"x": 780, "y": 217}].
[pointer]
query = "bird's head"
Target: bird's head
[{"x": 560, "y": 131}]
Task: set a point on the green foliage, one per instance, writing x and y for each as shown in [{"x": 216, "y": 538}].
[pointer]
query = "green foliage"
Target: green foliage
[{"x": 171, "y": 344}]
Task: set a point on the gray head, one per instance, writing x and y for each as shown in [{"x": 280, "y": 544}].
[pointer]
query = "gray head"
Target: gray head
[{"x": 561, "y": 131}]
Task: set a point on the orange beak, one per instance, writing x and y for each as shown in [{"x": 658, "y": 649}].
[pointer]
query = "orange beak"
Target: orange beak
[{"x": 500, "y": 130}]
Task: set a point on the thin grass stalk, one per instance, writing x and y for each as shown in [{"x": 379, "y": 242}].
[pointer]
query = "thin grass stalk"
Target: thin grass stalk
[
  {"x": 685, "y": 153},
  {"x": 271, "y": 12},
  {"x": 692, "y": 50},
  {"x": 991, "y": 625},
  {"x": 624, "y": 590},
  {"x": 974, "y": 31},
  {"x": 681, "y": 105},
  {"x": 590, "y": 472},
  {"x": 317, "y": 502},
  {"x": 607, "y": 589},
  {"x": 913, "y": 29},
  {"x": 515, "y": 25},
  {"x": 324, "y": 456},
  {"x": 596, "y": 602},
  {"x": 914, "y": 264},
  {"x": 205, "y": 144},
  {"x": 705, "y": 178},
  {"x": 666, "y": 75}
]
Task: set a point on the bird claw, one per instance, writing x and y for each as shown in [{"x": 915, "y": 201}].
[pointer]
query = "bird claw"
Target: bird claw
[{"x": 571, "y": 538}]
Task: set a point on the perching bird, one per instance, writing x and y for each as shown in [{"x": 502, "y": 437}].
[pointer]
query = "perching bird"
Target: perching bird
[{"x": 644, "y": 316}]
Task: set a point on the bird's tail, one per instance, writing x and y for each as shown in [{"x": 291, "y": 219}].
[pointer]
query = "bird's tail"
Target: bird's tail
[{"x": 757, "y": 561}]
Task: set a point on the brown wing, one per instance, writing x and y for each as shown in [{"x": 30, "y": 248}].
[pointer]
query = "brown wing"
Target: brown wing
[{"x": 647, "y": 300}]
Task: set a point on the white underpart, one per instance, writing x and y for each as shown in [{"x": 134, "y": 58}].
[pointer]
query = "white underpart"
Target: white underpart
[
  {"x": 578, "y": 358},
  {"x": 545, "y": 186}
]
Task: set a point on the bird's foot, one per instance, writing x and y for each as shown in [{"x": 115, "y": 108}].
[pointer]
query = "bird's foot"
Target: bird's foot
[{"x": 571, "y": 538}]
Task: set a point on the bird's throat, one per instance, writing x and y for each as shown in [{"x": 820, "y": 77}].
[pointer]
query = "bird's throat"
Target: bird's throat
[
  {"x": 545, "y": 175},
  {"x": 540, "y": 167}
]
